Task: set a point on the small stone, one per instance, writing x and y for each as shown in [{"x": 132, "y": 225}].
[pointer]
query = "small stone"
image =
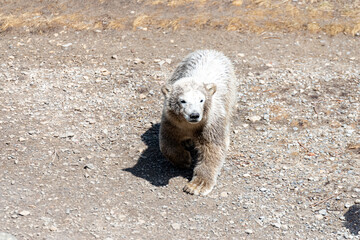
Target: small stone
[
  {"x": 347, "y": 205},
  {"x": 53, "y": 228},
  {"x": 89, "y": 166},
  {"x": 323, "y": 212},
  {"x": 105, "y": 72},
  {"x": 254, "y": 118},
  {"x": 91, "y": 120},
  {"x": 319, "y": 217},
  {"x": 65, "y": 46},
  {"x": 223, "y": 194},
  {"x": 263, "y": 189},
  {"x": 284, "y": 227},
  {"x": 114, "y": 57},
  {"x": 21, "y": 139},
  {"x": 32, "y": 132},
  {"x": 176, "y": 226},
  {"x": 7, "y": 236},
  {"x": 70, "y": 134},
  {"x": 246, "y": 175},
  {"x": 142, "y": 96},
  {"x": 24, "y": 213},
  {"x": 357, "y": 201},
  {"x": 249, "y": 231},
  {"x": 277, "y": 225}
]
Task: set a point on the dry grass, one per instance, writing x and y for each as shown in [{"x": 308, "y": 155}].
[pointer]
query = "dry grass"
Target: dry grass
[{"x": 257, "y": 16}]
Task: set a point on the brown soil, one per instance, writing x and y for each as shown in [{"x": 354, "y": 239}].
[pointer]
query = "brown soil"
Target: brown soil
[{"x": 80, "y": 106}]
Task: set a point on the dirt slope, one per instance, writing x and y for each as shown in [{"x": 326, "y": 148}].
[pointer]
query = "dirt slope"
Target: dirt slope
[{"x": 79, "y": 120}]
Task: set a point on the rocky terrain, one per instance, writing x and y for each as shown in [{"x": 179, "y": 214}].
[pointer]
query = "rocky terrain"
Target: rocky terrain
[{"x": 79, "y": 121}]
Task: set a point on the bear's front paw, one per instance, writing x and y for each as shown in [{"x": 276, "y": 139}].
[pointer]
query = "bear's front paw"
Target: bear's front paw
[{"x": 198, "y": 186}]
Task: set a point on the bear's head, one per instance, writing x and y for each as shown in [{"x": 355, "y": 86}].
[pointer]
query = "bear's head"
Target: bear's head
[{"x": 188, "y": 100}]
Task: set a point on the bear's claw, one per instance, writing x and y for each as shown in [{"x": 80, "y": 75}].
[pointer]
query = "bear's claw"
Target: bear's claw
[{"x": 199, "y": 186}]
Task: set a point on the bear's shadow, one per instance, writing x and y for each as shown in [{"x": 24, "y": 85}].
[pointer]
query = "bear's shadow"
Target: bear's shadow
[
  {"x": 352, "y": 217},
  {"x": 152, "y": 165}
]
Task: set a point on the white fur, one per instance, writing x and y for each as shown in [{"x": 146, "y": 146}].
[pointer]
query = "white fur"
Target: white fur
[
  {"x": 209, "y": 66},
  {"x": 192, "y": 103}
]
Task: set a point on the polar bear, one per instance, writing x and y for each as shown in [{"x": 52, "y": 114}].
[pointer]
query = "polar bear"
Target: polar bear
[{"x": 198, "y": 107}]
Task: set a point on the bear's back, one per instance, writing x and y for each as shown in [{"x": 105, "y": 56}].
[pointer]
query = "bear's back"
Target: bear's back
[{"x": 206, "y": 66}]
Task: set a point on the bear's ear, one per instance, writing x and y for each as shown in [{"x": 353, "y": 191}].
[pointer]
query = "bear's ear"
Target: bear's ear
[
  {"x": 210, "y": 88},
  {"x": 166, "y": 89}
]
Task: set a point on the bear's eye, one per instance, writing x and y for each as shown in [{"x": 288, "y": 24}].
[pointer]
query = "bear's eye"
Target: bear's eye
[
  {"x": 201, "y": 100},
  {"x": 182, "y": 101}
]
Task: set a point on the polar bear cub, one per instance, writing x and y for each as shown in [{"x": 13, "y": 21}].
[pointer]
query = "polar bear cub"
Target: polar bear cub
[{"x": 198, "y": 107}]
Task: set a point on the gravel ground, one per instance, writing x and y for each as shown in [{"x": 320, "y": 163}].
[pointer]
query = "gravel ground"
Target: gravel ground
[{"x": 79, "y": 121}]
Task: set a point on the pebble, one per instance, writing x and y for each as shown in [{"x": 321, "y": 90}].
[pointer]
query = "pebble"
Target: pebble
[
  {"x": 89, "y": 166},
  {"x": 223, "y": 194},
  {"x": 319, "y": 217},
  {"x": 70, "y": 134},
  {"x": 254, "y": 118},
  {"x": 32, "y": 132},
  {"x": 24, "y": 213},
  {"x": 263, "y": 189},
  {"x": 7, "y": 236},
  {"x": 249, "y": 231},
  {"x": 53, "y": 228},
  {"x": 65, "y": 46},
  {"x": 277, "y": 225},
  {"x": 284, "y": 227},
  {"x": 323, "y": 212},
  {"x": 348, "y": 205},
  {"x": 105, "y": 72},
  {"x": 91, "y": 120},
  {"x": 357, "y": 201},
  {"x": 176, "y": 226},
  {"x": 246, "y": 175}
]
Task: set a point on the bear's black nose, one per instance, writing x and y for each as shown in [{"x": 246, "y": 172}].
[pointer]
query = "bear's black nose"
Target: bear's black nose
[{"x": 194, "y": 116}]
